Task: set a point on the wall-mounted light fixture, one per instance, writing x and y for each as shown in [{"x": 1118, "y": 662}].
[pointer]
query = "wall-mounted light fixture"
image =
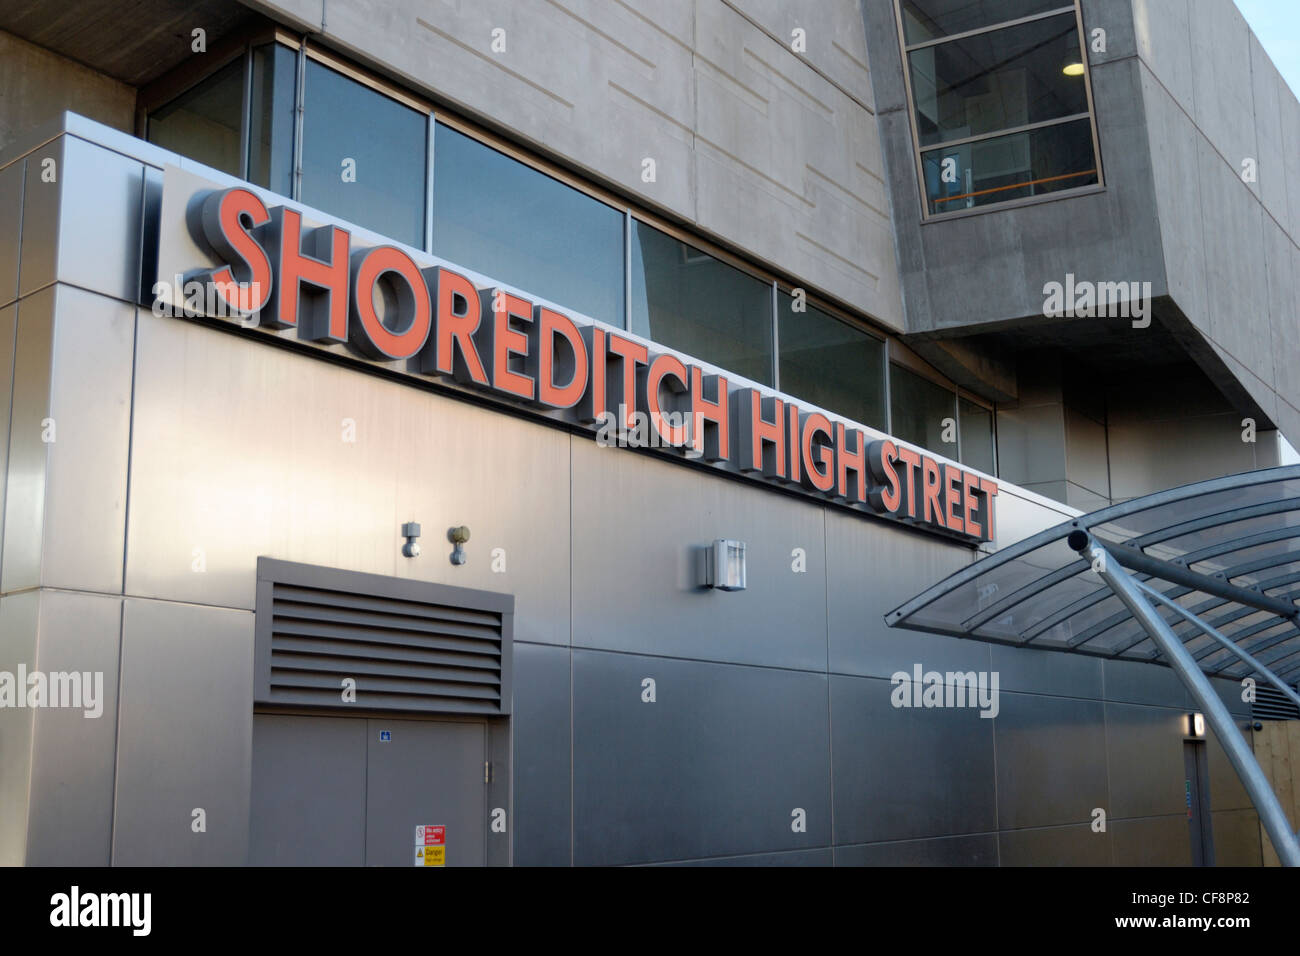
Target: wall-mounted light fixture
[
  {"x": 725, "y": 565},
  {"x": 1195, "y": 725},
  {"x": 411, "y": 531}
]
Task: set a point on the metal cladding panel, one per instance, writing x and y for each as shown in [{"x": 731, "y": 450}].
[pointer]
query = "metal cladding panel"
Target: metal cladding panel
[
  {"x": 1152, "y": 841},
  {"x": 905, "y": 772},
  {"x": 11, "y": 218},
  {"x": 542, "y": 740},
  {"x": 640, "y": 531},
  {"x": 1226, "y": 790},
  {"x": 90, "y": 420},
  {"x": 19, "y": 621},
  {"x": 1133, "y": 682},
  {"x": 241, "y": 450},
  {"x": 95, "y": 194},
  {"x": 406, "y": 645},
  {"x": 1237, "y": 839},
  {"x": 184, "y": 735},
  {"x": 976, "y": 849},
  {"x": 1051, "y": 766},
  {"x": 871, "y": 565},
  {"x": 71, "y": 818},
  {"x": 308, "y": 803},
  {"x": 716, "y": 766},
  {"x": 1055, "y": 846},
  {"x": 8, "y": 336},
  {"x": 1047, "y": 672},
  {"x": 24, "y": 522},
  {"x": 1144, "y": 757}
]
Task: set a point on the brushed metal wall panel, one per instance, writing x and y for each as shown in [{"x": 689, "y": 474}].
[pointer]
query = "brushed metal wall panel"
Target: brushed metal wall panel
[
  {"x": 1055, "y": 846},
  {"x": 1226, "y": 790},
  {"x": 1038, "y": 671},
  {"x": 19, "y": 620},
  {"x": 1135, "y": 682},
  {"x": 1144, "y": 754},
  {"x": 873, "y": 567},
  {"x": 640, "y": 527},
  {"x": 90, "y": 406},
  {"x": 11, "y": 217},
  {"x": 308, "y": 804},
  {"x": 975, "y": 849},
  {"x": 1051, "y": 761},
  {"x": 71, "y": 819},
  {"x": 1152, "y": 841},
  {"x": 83, "y": 228},
  {"x": 1237, "y": 838},
  {"x": 24, "y": 522},
  {"x": 542, "y": 751},
  {"x": 8, "y": 331},
  {"x": 240, "y": 450},
  {"x": 714, "y": 767},
  {"x": 907, "y": 772},
  {"x": 184, "y": 735}
]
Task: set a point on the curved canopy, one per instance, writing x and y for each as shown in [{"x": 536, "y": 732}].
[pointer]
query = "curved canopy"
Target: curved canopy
[{"x": 1227, "y": 550}]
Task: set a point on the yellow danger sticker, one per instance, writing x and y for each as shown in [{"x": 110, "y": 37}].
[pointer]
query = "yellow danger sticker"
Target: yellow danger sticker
[{"x": 430, "y": 856}]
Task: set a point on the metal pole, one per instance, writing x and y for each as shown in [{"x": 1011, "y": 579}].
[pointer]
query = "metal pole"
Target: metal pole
[
  {"x": 1234, "y": 744},
  {"x": 1231, "y": 645}
]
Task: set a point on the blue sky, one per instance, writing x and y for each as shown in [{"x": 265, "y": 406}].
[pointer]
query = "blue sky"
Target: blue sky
[{"x": 1277, "y": 24}]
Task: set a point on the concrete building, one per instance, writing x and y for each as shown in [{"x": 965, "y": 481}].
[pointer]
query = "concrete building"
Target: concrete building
[{"x": 290, "y": 288}]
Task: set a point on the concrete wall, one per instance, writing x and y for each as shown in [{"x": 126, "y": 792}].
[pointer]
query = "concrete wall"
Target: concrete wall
[
  {"x": 37, "y": 85},
  {"x": 766, "y": 150},
  {"x": 768, "y": 700},
  {"x": 1213, "y": 102}
]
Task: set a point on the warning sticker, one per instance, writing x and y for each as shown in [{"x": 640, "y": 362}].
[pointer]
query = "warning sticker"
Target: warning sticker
[
  {"x": 430, "y": 835},
  {"x": 430, "y": 856}
]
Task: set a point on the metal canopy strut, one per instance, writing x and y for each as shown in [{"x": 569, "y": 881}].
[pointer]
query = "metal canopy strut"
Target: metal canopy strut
[{"x": 1109, "y": 567}]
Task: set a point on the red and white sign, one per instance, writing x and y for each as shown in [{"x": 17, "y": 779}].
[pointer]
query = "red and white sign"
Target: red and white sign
[{"x": 430, "y": 835}]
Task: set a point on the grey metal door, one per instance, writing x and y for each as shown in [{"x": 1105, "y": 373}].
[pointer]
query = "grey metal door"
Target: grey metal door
[
  {"x": 342, "y": 791},
  {"x": 425, "y": 773}
]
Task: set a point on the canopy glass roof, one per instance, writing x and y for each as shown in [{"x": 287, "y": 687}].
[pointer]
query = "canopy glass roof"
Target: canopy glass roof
[{"x": 1242, "y": 530}]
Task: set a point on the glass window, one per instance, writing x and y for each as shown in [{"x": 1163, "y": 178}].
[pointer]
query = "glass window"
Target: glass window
[
  {"x": 1000, "y": 114},
  {"x": 830, "y": 363},
  {"x": 1017, "y": 166},
  {"x": 203, "y": 123},
  {"x": 270, "y": 150},
  {"x": 690, "y": 301},
  {"x": 919, "y": 407},
  {"x": 363, "y": 155},
  {"x": 930, "y": 19},
  {"x": 997, "y": 80},
  {"x": 499, "y": 217},
  {"x": 976, "y": 435}
]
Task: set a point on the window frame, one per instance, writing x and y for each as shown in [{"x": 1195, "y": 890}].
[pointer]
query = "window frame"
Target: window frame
[{"x": 905, "y": 49}]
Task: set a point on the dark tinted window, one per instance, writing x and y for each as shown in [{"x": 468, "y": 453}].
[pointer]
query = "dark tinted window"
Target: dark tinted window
[
  {"x": 919, "y": 407},
  {"x": 363, "y": 156},
  {"x": 998, "y": 80},
  {"x": 203, "y": 123},
  {"x": 692, "y": 302},
  {"x": 831, "y": 364},
  {"x": 929, "y": 19},
  {"x": 976, "y": 436},
  {"x": 497, "y": 216}
]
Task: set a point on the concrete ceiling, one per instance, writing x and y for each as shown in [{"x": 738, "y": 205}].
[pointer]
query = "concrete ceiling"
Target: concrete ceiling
[{"x": 134, "y": 41}]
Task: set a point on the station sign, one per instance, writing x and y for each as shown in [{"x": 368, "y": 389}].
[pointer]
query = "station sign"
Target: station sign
[{"x": 316, "y": 284}]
